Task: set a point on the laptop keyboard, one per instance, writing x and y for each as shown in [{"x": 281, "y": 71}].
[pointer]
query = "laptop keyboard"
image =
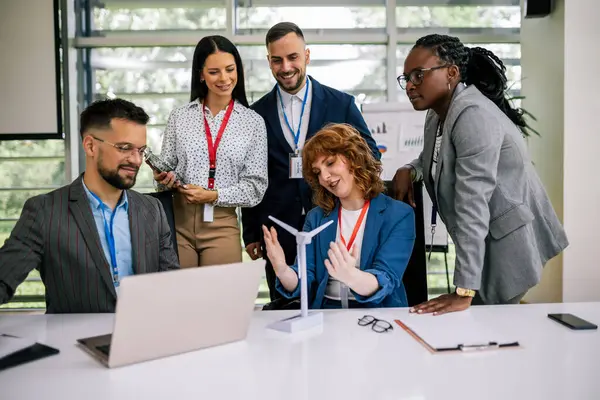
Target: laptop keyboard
[{"x": 104, "y": 349}]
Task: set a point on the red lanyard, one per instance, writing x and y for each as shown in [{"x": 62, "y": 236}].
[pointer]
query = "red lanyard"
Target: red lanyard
[
  {"x": 212, "y": 149},
  {"x": 356, "y": 227}
]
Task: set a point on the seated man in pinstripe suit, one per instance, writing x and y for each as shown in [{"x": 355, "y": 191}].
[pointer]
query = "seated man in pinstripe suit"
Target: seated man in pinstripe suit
[{"x": 86, "y": 236}]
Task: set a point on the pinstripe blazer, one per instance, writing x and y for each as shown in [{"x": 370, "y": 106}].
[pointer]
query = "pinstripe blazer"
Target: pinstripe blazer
[{"x": 56, "y": 234}]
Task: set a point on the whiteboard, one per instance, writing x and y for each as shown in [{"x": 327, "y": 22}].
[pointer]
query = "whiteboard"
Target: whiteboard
[
  {"x": 30, "y": 70},
  {"x": 398, "y": 131}
]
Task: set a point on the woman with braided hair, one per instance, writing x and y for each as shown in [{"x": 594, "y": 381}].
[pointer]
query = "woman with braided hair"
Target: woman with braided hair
[{"x": 476, "y": 169}]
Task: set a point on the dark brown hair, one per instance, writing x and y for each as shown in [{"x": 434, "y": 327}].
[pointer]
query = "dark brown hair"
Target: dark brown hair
[
  {"x": 100, "y": 114},
  {"x": 210, "y": 45},
  {"x": 344, "y": 140},
  {"x": 282, "y": 29}
]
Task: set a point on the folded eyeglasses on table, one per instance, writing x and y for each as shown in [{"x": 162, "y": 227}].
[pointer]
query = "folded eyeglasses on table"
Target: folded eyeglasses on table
[{"x": 378, "y": 325}]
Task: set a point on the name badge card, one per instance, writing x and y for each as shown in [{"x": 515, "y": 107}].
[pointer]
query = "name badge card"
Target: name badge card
[
  {"x": 295, "y": 166},
  {"x": 209, "y": 211}
]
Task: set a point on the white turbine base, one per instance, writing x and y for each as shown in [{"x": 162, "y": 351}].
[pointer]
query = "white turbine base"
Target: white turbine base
[{"x": 297, "y": 323}]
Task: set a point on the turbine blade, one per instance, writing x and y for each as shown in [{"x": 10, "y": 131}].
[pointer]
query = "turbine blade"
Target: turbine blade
[
  {"x": 314, "y": 232},
  {"x": 285, "y": 226}
]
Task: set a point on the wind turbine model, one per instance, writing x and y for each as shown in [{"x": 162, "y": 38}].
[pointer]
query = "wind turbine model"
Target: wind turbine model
[{"x": 305, "y": 320}]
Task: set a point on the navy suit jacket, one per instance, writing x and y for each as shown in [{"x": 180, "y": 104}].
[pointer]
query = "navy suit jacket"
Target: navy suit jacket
[
  {"x": 285, "y": 197},
  {"x": 386, "y": 249}
]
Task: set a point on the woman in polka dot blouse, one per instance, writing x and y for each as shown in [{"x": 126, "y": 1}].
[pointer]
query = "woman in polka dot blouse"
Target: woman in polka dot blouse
[{"x": 218, "y": 146}]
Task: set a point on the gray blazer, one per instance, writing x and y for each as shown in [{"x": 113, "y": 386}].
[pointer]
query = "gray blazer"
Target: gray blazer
[
  {"x": 490, "y": 198},
  {"x": 56, "y": 234}
]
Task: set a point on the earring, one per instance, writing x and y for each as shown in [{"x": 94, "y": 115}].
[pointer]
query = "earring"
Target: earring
[{"x": 449, "y": 88}]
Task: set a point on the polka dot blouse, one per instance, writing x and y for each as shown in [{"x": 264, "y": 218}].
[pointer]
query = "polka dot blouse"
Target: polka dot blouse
[{"x": 241, "y": 174}]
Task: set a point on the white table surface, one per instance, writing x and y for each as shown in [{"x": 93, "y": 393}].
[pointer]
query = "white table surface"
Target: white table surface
[{"x": 343, "y": 361}]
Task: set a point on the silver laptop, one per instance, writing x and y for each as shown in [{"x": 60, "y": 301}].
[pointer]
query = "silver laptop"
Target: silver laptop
[{"x": 174, "y": 312}]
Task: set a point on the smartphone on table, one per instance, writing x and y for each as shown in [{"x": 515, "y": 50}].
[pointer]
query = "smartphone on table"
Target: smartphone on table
[{"x": 572, "y": 321}]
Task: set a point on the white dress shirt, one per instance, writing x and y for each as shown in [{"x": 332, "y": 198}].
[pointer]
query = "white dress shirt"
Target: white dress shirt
[
  {"x": 292, "y": 104},
  {"x": 241, "y": 176}
]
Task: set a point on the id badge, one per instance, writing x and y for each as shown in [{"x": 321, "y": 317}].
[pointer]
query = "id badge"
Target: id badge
[
  {"x": 295, "y": 166},
  {"x": 209, "y": 211}
]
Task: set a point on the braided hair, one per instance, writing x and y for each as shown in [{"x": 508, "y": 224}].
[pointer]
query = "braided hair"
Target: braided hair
[{"x": 477, "y": 66}]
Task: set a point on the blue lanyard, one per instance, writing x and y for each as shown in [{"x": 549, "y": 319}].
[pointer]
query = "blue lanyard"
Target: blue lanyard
[
  {"x": 110, "y": 239},
  {"x": 433, "y": 225},
  {"x": 297, "y": 134}
]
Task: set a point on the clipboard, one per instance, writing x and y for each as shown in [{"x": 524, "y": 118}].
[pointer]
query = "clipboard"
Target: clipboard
[{"x": 460, "y": 347}]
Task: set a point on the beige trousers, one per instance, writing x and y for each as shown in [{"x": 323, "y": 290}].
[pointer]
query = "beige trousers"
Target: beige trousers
[{"x": 202, "y": 243}]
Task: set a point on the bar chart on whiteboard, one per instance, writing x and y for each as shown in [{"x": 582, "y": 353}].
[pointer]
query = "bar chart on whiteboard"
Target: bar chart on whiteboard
[{"x": 398, "y": 131}]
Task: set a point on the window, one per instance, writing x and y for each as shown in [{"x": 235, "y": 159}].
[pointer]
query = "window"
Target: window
[
  {"x": 30, "y": 167},
  {"x": 459, "y": 17},
  {"x": 114, "y": 18},
  {"x": 252, "y": 18}
]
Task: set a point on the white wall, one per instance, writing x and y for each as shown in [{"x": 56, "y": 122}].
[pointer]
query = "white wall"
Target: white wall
[
  {"x": 560, "y": 55},
  {"x": 542, "y": 61},
  {"x": 581, "y": 265}
]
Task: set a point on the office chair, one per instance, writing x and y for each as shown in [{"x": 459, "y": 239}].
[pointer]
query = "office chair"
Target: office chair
[{"x": 166, "y": 200}]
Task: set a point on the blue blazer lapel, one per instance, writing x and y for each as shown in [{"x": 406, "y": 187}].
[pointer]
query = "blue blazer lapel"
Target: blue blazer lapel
[
  {"x": 272, "y": 113},
  {"x": 372, "y": 227},
  {"x": 318, "y": 108}
]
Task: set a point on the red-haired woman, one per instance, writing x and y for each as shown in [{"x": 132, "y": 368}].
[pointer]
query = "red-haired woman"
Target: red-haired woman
[{"x": 359, "y": 260}]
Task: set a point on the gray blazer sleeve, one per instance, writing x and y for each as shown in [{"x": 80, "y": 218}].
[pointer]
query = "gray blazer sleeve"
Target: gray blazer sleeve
[
  {"x": 477, "y": 141},
  {"x": 24, "y": 249},
  {"x": 417, "y": 165}
]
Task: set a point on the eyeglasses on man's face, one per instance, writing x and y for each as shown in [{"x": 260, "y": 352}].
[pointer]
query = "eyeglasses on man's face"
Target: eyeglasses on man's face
[
  {"x": 416, "y": 76},
  {"x": 378, "y": 325},
  {"x": 124, "y": 148}
]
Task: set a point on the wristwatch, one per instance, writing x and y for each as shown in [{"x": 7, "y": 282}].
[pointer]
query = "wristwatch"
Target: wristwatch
[{"x": 465, "y": 292}]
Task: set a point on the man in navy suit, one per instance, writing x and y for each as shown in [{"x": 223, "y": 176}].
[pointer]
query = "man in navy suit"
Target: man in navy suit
[{"x": 296, "y": 109}]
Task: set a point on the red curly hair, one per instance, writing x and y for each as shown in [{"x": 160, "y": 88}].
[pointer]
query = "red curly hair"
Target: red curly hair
[{"x": 342, "y": 139}]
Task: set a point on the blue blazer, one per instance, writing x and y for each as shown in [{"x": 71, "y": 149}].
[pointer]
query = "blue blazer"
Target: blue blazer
[
  {"x": 285, "y": 197},
  {"x": 386, "y": 249}
]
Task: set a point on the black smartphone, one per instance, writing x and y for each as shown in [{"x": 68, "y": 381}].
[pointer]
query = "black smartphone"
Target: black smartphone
[{"x": 572, "y": 321}]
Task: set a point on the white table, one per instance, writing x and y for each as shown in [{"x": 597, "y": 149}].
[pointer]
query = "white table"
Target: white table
[{"x": 344, "y": 361}]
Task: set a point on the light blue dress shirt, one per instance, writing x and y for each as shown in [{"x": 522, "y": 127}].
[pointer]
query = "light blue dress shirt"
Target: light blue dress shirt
[{"x": 120, "y": 229}]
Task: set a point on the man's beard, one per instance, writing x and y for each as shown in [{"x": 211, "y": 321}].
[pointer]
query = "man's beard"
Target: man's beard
[
  {"x": 299, "y": 81},
  {"x": 114, "y": 179}
]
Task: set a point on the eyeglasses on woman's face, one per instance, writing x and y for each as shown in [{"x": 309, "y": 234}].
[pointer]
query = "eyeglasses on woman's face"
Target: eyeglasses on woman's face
[{"x": 416, "y": 76}]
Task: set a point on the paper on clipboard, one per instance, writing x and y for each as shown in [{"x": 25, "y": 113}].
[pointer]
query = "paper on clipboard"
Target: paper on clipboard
[{"x": 454, "y": 332}]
